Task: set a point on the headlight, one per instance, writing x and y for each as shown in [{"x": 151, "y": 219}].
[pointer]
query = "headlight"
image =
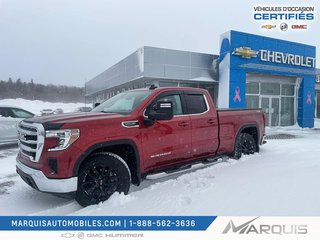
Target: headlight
[{"x": 65, "y": 138}]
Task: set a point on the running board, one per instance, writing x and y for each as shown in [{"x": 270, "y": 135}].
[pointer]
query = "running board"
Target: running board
[
  {"x": 185, "y": 168},
  {"x": 178, "y": 169},
  {"x": 215, "y": 160}
]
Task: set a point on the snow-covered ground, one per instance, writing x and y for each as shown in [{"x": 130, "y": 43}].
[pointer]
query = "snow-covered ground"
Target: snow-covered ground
[
  {"x": 280, "y": 180},
  {"x": 35, "y": 106}
]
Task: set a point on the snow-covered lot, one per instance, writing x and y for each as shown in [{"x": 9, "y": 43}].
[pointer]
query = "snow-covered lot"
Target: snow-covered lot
[{"x": 280, "y": 180}]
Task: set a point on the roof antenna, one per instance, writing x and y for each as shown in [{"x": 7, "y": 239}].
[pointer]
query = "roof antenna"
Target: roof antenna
[{"x": 152, "y": 87}]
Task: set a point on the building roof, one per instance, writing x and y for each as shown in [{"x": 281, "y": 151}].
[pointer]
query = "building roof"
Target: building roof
[{"x": 159, "y": 63}]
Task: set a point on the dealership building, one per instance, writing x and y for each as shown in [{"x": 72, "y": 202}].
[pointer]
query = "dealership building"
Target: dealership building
[{"x": 250, "y": 71}]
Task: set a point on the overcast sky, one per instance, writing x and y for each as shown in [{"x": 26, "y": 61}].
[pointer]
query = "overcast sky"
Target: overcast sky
[{"x": 69, "y": 42}]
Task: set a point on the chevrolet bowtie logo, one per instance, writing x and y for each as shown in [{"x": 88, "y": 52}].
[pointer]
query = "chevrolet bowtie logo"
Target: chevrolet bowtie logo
[
  {"x": 245, "y": 52},
  {"x": 268, "y": 26}
]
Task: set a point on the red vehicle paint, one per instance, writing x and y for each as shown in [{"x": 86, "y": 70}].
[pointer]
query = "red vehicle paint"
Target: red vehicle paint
[{"x": 124, "y": 139}]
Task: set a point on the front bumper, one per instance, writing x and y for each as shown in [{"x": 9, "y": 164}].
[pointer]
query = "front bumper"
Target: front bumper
[{"x": 36, "y": 179}]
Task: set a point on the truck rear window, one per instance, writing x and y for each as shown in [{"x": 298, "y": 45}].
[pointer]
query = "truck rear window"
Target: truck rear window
[{"x": 196, "y": 103}]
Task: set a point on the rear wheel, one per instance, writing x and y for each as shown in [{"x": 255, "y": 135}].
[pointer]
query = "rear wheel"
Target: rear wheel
[
  {"x": 101, "y": 176},
  {"x": 245, "y": 144}
]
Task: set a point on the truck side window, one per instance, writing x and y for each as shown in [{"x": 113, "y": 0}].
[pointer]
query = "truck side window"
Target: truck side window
[
  {"x": 196, "y": 103},
  {"x": 176, "y": 101}
]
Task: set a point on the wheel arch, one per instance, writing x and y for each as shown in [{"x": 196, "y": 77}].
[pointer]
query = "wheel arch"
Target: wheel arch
[
  {"x": 125, "y": 148},
  {"x": 251, "y": 129}
]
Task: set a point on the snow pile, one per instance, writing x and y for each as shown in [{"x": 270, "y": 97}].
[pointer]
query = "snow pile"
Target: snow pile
[
  {"x": 317, "y": 123},
  {"x": 35, "y": 106}
]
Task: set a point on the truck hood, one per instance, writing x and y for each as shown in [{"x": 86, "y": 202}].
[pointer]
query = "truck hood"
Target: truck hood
[{"x": 51, "y": 121}]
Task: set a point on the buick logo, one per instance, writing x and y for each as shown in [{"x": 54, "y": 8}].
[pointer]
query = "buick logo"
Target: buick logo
[{"x": 284, "y": 27}]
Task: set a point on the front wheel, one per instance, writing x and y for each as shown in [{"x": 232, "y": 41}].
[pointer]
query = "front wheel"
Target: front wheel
[
  {"x": 245, "y": 144},
  {"x": 101, "y": 176}
]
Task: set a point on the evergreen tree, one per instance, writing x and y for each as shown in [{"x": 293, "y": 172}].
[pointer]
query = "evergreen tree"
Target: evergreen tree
[{"x": 33, "y": 91}]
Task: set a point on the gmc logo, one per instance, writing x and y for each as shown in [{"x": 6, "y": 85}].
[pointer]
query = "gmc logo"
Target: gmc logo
[{"x": 299, "y": 26}]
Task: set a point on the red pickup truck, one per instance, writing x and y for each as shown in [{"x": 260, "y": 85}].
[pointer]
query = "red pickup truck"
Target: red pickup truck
[{"x": 133, "y": 134}]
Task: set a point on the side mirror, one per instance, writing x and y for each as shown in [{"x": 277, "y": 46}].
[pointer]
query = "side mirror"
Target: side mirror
[{"x": 162, "y": 111}]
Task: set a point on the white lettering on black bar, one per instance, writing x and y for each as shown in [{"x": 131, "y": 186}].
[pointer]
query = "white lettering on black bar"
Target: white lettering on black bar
[{"x": 165, "y": 105}]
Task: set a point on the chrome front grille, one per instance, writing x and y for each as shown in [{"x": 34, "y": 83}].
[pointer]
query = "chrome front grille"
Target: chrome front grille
[{"x": 31, "y": 140}]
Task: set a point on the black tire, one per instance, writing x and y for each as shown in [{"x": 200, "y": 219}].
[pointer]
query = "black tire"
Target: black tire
[
  {"x": 101, "y": 176},
  {"x": 245, "y": 144}
]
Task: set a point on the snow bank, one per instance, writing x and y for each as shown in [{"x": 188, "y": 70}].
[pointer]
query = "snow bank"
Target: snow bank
[{"x": 35, "y": 106}]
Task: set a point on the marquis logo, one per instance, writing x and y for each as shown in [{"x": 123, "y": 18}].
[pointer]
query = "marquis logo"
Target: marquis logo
[
  {"x": 250, "y": 228},
  {"x": 241, "y": 228}
]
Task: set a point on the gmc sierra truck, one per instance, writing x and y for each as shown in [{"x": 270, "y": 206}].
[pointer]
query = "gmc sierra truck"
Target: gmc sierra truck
[{"x": 135, "y": 133}]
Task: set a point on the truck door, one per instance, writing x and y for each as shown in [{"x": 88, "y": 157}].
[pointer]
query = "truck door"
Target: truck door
[
  {"x": 204, "y": 125},
  {"x": 167, "y": 141}
]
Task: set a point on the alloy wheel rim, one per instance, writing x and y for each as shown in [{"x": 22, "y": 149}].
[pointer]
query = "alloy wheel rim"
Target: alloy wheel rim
[
  {"x": 100, "y": 182},
  {"x": 247, "y": 147}
]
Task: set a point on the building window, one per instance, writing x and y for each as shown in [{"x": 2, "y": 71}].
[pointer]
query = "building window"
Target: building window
[
  {"x": 252, "y": 88},
  {"x": 167, "y": 84},
  {"x": 212, "y": 89},
  {"x": 287, "y": 110},
  {"x": 193, "y": 85},
  {"x": 287, "y": 90},
  {"x": 270, "y": 89},
  {"x": 252, "y": 101},
  {"x": 277, "y": 100},
  {"x": 137, "y": 85},
  {"x": 318, "y": 105}
]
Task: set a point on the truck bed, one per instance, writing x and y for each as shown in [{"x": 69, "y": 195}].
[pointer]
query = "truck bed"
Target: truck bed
[{"x": 232, "y": 120}]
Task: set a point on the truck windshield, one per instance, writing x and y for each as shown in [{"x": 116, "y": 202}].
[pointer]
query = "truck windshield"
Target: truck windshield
[{"x": 123, "y": 103}]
